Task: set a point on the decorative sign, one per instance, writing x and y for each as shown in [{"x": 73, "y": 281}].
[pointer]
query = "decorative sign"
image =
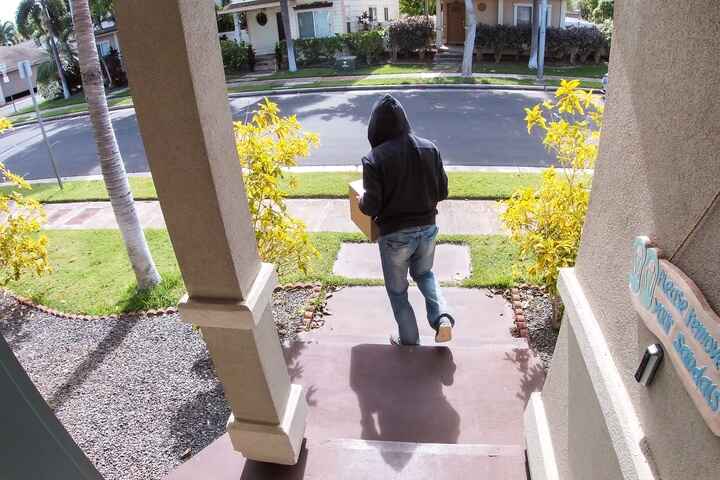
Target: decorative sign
[{"x": 674, "y": 309}]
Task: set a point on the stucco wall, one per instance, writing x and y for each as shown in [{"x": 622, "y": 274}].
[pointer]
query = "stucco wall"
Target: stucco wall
[
  {"x": 16, "y": 85},
  {"x": 659, "y": 167},
  {"x": 555, "y": 397}
]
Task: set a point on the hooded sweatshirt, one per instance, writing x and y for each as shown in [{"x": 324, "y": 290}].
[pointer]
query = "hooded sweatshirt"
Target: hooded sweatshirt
[{"x": 403, "y": 174}]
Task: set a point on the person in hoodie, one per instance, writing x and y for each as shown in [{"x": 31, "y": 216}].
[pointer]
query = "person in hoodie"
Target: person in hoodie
[{"x": 404, "y": 179}]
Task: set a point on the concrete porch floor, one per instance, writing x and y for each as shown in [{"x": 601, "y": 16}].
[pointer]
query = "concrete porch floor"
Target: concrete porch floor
[{"x": 378, "y": 411}]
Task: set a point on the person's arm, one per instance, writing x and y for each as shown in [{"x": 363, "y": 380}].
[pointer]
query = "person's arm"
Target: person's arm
[
  {"x": 371, "y": 201},
  {"x": 442, "y": 178}
]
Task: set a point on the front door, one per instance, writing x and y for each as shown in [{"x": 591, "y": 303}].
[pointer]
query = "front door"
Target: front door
[{"x": 456, "y": 23}]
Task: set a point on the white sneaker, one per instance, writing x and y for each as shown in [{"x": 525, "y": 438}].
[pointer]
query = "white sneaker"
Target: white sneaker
[{"x": 444, "y": 332}]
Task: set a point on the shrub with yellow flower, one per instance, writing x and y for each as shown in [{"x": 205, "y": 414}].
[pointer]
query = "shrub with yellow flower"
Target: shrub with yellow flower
[
  {"x": 22, "y": 249},
  {"x": 546, "y": 223},
  {"x": 266, "y": 144}
]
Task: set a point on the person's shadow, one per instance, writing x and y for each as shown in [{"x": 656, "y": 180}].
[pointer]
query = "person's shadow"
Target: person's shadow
[{"x": 401, "y": 398}]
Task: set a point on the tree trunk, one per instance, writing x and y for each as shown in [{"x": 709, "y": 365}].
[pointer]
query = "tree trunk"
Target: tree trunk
[
  {"x": 534, "y": 33},
  {"x": 285, "y": 12},
  {"x": 111, "y": 163},
  {"x": 470, "y": 27}
]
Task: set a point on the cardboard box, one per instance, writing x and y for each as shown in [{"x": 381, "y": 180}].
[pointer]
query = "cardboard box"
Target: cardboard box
[{"x": 366, "y": 224}]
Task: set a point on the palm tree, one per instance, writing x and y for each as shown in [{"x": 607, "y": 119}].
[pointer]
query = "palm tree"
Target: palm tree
[
  {"x": 470, "y": 27},
  {"x": 285, "y": 14},
  {"x": 111, "y": 162},
  {"x": 45, "y": 18},
  {"x": 8, "y": 35}
]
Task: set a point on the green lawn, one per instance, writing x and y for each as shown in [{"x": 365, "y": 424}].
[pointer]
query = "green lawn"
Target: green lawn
[
  {"x": 91, "y": 273},
  {"x": 463, "y": 185},
  {"x": 264, "y": 86},
  {"x": 386, "y": 69},
  {"x": 589, "y": 71}
]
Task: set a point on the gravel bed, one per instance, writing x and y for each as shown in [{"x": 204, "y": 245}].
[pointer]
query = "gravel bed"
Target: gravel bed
[
  {"x": 537, "y": 307},
  {"x": 138, "y": 395}
]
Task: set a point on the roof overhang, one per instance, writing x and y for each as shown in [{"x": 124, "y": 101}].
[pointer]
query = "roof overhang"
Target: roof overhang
[{"x": 247, "y": 5}]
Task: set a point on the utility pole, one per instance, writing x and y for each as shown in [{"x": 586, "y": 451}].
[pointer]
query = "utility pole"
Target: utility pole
[
  {"x": 25, "y": 71},
  {"x": 53, "y": 47},
  {"x": 541, "y": 41}
]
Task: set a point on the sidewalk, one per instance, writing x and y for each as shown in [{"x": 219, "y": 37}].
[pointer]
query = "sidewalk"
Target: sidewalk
[{"x": 471, "y": 217}]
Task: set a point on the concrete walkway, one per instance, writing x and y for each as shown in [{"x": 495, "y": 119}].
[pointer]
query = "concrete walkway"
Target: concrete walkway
[
  {"x": 384, "y": 412},
  {"x": 473, "y": 217}
]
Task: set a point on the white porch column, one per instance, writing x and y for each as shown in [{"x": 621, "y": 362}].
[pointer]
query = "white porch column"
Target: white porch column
[
  {"x": 500, "y": 12},
  {"x": 236, "y": 24},
  {"x": 179, "y": 90},
  {"x": 439, "y": 25}
]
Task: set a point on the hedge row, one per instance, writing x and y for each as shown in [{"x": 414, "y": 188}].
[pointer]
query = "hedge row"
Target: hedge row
[
  {"x": 237, "y": 57},
  {"x": 408, "y": 34},
  {"x": 368, "y": 47},
  {"x": 574, "y": 43}
]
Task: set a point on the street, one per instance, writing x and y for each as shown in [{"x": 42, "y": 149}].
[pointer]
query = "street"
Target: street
[{"x": 472, "y": 128}]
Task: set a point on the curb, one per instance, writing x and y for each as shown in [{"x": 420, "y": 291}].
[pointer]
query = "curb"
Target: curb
[
  {"x": 295, "y": 91},
  {"x": 69, "y": 116},
  {"x": 308, "y": 314},
  {"x": 410, "y": 86}
]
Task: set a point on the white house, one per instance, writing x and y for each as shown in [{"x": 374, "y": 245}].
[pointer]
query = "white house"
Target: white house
[{"x": 308, "y": 19}]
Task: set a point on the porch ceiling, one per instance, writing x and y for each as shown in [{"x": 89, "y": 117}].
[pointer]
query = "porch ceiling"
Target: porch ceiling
[{"x": 249, "y": 5}]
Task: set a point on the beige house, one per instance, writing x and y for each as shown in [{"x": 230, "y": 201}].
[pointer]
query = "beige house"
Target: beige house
[
  {"x": 493, "y": 12},
  {"x": 11, "y": 85}
]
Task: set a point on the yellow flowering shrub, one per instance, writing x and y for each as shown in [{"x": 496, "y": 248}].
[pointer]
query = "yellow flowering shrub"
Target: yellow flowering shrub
[
  {"x": 266, "y": 144},
  {"x": 546, "y": 223},
  {"x": 22, "y": 249}
]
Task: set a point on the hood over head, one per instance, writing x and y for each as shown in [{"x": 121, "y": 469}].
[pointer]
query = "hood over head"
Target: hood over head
[{"x": 387, "y": 121}]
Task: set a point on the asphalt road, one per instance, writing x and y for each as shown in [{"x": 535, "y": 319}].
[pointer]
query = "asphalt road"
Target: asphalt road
[{"x": 479, "y": 128}]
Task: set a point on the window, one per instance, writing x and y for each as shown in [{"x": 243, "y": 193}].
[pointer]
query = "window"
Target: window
[
  {"x": 104, "y": 48},
  {"x": 523, "y": 15},
  {"x": 314, "y": 24},
  {"x": 372, "y": 12},
  {"x": 348, "y": 26},
  {"x": 387, "y": 14}
]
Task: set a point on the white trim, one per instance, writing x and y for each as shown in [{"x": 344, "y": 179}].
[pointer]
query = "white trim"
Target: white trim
[
  {"x": 563, "y": 12},
  {"x": 501, "y": 7},
  {"x": 540, "y": 451},
  {"x": 623, "y": 425},
  {"x": 515, "y": 9},
  {"x": 549, "y": 12}
]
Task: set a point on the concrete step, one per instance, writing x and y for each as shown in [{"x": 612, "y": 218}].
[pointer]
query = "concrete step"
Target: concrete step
[
  {"x": 361, "y": 460},
  {"x": 481, "y": 317}
]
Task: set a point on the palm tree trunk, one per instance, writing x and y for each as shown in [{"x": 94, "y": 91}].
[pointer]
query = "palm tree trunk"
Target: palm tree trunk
[
  {"x": 285, "y": 13},
  {"x": 58, "y": 63},
  {"x": 111, "y": 163},
  {"x": 470, "y": 27},
  {"x": 534, "y": 35}
]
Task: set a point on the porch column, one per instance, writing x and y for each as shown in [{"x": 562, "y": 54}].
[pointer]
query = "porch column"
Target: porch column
[
  {"x": 236, "y": 24},
  {"x": 439, "y": 25},
  {"x": 178, "y": 86},
  {"x": 500, "y": 12}
]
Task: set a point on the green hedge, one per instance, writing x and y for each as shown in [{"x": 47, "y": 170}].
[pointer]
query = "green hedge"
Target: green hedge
[
  {"x": 408, "y": 34},
  {"x": 237, "y": 57},
  {"x": 368, "y": 46},
  {"x": 574, "y": 43}
]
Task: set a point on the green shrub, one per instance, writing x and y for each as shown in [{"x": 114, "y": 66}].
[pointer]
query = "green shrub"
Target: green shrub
[
  {"x": 368, "y": 46},
  {"x": 234, "y": 55},
  {"x": 574, "y": 43},
  {"x": 408, "y": 34},
  {"x": 317, "y": 51}
]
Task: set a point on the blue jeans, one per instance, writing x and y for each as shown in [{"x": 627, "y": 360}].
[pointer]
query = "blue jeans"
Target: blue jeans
[{"x": 412, "y": 249}]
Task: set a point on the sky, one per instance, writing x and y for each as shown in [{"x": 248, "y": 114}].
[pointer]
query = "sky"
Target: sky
[{"x": 7, "y": 10}]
